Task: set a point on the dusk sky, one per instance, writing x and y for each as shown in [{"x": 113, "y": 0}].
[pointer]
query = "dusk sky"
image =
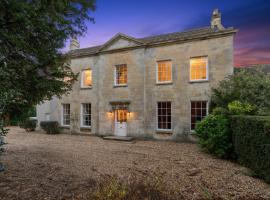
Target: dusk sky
[{"x": 140, "y": 18}]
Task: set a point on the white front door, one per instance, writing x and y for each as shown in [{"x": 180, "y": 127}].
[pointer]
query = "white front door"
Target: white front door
[{"x": 120, "y": 127}]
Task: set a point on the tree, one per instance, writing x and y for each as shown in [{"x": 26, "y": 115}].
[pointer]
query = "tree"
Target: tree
[
  {"x": 32, "y": 34},
  {"x": 247, "y": 86}
]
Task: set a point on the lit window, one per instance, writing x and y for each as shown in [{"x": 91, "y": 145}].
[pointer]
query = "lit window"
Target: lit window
[
  {"x": 86, "y": 114},
  {"x": 86, "y": 78},
  {"x": 164, "y": 117},
  {"x": 65, "y": 114},
  {"x": 198, "y": 69},
  {"x": 198, "y": 112},
  {"x": 121, "y": 75},
  {"x": 164, "y": 71}
]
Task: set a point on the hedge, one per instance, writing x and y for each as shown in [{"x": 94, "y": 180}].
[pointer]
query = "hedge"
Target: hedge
[
  {"x": 251, "y": 139},
  {"x": 51, "y": 127}
]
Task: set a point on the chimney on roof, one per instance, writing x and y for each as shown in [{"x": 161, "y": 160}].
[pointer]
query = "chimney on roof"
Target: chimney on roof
[
  {"x": 216, "y": 20},
  {"x": 74, "y": 44}
]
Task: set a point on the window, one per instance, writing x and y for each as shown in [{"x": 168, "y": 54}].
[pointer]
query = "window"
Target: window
[
  {"x": 198, "y": 69},
  {"x": 86, "y": 115},
  {"x": 121, "y": 75},
  {"x": 198, "y": 112},
  {"x": 86, "y": 80},
  {"x": 65, "y": 114},
  {"x": 164, "y": 118},
  {"x": 164, "y": 72}
]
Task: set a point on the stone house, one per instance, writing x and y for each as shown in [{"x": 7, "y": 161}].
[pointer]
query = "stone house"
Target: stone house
[{"x": 155, "y": 87}]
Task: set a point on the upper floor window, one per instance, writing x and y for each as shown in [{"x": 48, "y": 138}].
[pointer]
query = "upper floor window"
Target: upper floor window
[
  {"x": 198, "y": 112},
  {"x": 164, "y": 115},
  {"x": 65, "y": 114},
  {"x": 86, "y": 115},
  {"x": 86, "y": 80},
  {"x": 164, "y": 71},
  {"x": 199, "y": 69},
  {"x": 120, "y": 75}
]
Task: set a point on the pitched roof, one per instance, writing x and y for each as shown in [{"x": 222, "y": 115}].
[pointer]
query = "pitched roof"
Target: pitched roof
[{"x": 185, "y": 36}]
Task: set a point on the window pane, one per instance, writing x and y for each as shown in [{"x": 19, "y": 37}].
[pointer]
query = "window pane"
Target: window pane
[
  {"x": 198, "y": 112},
  {"x": 164, "y": 115},
  {"x": 86, "y": 114},
  {"x": 87, "y": 77},
  {"x": 164, "y": 71},
  {"x": 66, "y": 114},
  {"x": 198, "y": 68},
  {"x": 121, "y": 74}
]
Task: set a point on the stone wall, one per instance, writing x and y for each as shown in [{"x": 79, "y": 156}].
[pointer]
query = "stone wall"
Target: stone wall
[{"x": 142, "y": 90}]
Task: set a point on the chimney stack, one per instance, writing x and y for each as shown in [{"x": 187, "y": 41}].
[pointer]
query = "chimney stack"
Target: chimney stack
[
  {"x": 216, "y": 20},
  {"x": 74, "y": 44}
]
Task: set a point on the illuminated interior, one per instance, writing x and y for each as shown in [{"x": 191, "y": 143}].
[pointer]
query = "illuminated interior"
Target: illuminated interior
[
  {"x": 198, "y": 67},
  {"x": 164, "y": 71},
  {"x": 87, "y": 78}
]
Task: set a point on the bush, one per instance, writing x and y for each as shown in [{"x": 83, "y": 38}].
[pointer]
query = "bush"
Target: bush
[
  {"x": 238, "y": 108},
  {"x": 251, "y": 139},
  {"x": 215, "y": 136},
  {"x": 29, "y": 125},
  {"x": 220, "y": 111},
  {"x": 51, "y": 127},
  {"x": 250, "y": 86}
]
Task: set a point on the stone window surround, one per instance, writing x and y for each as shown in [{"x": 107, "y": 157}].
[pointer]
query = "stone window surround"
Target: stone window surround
[
  {"x": 164, "y": 82},
  {"x": 207, "y": 69},
  {"x": 82, "y": 118},
  {"x": 115, "y": 76},
  {"x": 163, "y": 130},
  {"x": 62, "y": 115},
  {"x": 82, "y": 78}
]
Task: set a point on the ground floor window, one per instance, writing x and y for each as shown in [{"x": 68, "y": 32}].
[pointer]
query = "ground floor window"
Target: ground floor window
[
  {"x": 198, "y": 112},
  {"x": 65, "y": 114},
  {"x": 164, "y": 118},
  {"x": 86, "y": 114}
]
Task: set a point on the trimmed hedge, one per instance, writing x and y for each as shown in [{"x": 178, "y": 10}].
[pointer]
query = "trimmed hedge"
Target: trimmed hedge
[
  {"x": 51, "y": 127},
  {"x": 251, "y": 139},
  {"x": 29, "y": 125}
]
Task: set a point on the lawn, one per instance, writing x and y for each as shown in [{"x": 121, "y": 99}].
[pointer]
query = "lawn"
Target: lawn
[{"x": 40, "y": 166}]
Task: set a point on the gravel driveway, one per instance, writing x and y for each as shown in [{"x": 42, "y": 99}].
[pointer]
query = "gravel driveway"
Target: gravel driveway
[{"x": 40, "y": 166}]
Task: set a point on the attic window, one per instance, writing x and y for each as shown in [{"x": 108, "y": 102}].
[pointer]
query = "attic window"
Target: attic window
[{"x": 86, "y": 79}]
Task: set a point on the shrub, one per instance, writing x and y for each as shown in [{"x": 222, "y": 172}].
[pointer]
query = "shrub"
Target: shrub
[
  {"x": 51, "y": 127},
  {"x": 251, "y": 139},
  {"x": 29, "y": 125},
  {"x": 220, "y": 111},
  {"x": 250, "y": 86},
  {"x": 215, "y": 136},
  {"x": 238, "y": 108}
]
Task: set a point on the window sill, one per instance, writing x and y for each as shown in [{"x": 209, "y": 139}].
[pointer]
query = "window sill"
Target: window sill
[
  {"x": 199, "y": 81},
  {"x": 85, "y": 127},
  {"x": 164, "y": 131},
  {"x": 116, "y": 86},
  {"x": 85, "y": 88},
  {"x": 164, "y": 83}
]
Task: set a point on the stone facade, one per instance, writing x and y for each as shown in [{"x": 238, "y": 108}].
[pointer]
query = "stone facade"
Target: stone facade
[{"x": 142, "y": 90}]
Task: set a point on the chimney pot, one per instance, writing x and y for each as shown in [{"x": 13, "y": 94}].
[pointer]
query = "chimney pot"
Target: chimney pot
[{"x": 216, "y": 20}]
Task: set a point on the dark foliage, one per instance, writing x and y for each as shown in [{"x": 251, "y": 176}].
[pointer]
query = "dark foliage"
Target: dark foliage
[
  {"x": 215, "y": 136},
  {"x": 32, "y": 33},
  {"x": 51, "y": 127},
  {"x": 29, "y": 125},
  {"x": 251, "y": 139},
  {"x": 246, "y": 86}
]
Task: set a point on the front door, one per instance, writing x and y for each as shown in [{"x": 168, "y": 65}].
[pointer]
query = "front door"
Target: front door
[{"x": 120, "y": 128}]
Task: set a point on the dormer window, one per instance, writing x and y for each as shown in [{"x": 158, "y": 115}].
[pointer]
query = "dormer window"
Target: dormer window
[{"x": 86, "y": 79}]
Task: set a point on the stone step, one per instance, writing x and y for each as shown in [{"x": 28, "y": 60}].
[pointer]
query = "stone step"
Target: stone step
[{"x": 118, "y": 138}]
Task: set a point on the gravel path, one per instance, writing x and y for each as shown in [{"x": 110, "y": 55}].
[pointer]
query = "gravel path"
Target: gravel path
[{"x": 40, "y": 166}]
